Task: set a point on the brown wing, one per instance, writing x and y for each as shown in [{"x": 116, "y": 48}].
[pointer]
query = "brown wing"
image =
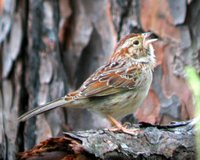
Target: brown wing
[{"x": 110, "y": 79}]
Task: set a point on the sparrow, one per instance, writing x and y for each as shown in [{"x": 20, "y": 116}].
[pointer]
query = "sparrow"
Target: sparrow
[{"x": 117, "y": 88}]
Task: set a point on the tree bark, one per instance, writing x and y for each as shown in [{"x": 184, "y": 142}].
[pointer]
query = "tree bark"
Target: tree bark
[
  {"x": 153, "y": 142},
  {"x": 50, "y": 47}
]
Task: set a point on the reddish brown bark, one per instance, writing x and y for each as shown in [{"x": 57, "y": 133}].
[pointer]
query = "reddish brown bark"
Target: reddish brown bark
[{"x": 50, "y": 47}]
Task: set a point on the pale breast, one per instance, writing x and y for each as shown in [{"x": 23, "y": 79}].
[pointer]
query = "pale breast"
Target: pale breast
[{"x": 123, "y": 103}]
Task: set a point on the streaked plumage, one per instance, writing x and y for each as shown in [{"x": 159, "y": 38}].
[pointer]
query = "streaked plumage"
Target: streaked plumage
[{"x": 118, "y": 87}]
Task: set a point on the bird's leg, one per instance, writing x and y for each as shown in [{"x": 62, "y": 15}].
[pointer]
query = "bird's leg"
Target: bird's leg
[
  {"x": 120, "y": 127},
  {"x": 114, "y": 122}
]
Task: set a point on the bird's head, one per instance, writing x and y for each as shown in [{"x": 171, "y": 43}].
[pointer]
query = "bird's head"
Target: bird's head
[{"x": 136, "y": 47}]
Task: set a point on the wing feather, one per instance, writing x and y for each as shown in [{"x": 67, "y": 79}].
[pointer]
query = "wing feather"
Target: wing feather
[{"x": 111, "y": 80}]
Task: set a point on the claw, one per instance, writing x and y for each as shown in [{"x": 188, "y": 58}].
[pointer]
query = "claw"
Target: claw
[
  {"x": 119, "y": 128},
  {"x": 132, "y": 131}
]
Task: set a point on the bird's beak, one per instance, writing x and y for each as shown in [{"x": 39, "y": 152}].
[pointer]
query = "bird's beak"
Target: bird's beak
[{"x": 147, "y": 39}]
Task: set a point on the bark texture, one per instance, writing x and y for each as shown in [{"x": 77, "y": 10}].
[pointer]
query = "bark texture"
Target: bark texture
[
  {"x": 50, "y": 47},
  {"x": 160, "y": 143}
]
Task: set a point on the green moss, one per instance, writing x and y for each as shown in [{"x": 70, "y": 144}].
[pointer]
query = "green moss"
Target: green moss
[{"x": 194, "y": 82}]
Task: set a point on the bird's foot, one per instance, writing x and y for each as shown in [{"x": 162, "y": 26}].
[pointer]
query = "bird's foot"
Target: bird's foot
[
  {"x": 131, "y": 131},
  {"x": 120, "y": 128}
]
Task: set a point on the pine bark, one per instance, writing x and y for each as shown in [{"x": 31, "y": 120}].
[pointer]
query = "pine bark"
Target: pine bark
[
  {"x": 50, "y": 47},
  {"x": 153, "y": 142}
]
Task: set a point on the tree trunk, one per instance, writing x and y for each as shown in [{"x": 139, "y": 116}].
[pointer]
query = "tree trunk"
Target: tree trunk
[{"x": 50, "y": 47}]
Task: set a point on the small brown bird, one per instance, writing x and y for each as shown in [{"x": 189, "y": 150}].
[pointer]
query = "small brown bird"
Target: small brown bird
[{"x": 117, "y": 88}]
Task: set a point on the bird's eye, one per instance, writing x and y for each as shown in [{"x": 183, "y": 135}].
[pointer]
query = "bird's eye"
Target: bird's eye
[{"x": 136, "y": 42}]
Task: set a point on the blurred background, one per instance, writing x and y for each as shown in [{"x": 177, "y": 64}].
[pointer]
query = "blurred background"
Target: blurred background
[{"x": 49, "y": 47}]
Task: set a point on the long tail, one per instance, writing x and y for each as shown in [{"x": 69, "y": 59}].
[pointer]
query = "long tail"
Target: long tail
[{"x": 49, "y": 106}]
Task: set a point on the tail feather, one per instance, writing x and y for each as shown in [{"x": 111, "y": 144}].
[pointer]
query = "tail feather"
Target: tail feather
[{"x": 49, "y": 106}]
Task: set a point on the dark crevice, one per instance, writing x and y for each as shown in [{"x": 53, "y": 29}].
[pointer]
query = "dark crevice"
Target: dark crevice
[
  {"x": 56, "y": 14},
  {"x": 66, "y": 38},
  {"x": 125, "y": 7},
  {"x": 193, "y": 13},
  {"x": 33, "y": 62},
  {"x": 89, "y": 58},
  {"x": 59, "y": 49},
  {"x": 1, "y": 63},
  {"x": 23, "y": 102},
  {"x": 137, "y": 8},
  {"x": 69, "y": 26},
  {"x": 5, "y": 143}
]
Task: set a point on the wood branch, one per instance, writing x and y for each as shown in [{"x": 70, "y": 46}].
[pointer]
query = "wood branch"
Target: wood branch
[
  {"x": 174, "y": 141},
  {"x": 49, "y": 47}
]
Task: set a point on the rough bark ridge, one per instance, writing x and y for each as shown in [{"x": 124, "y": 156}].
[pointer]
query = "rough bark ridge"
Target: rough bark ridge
[
  {"x": 50, "y": 47},
  {"x": 169, "y": 142}
]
